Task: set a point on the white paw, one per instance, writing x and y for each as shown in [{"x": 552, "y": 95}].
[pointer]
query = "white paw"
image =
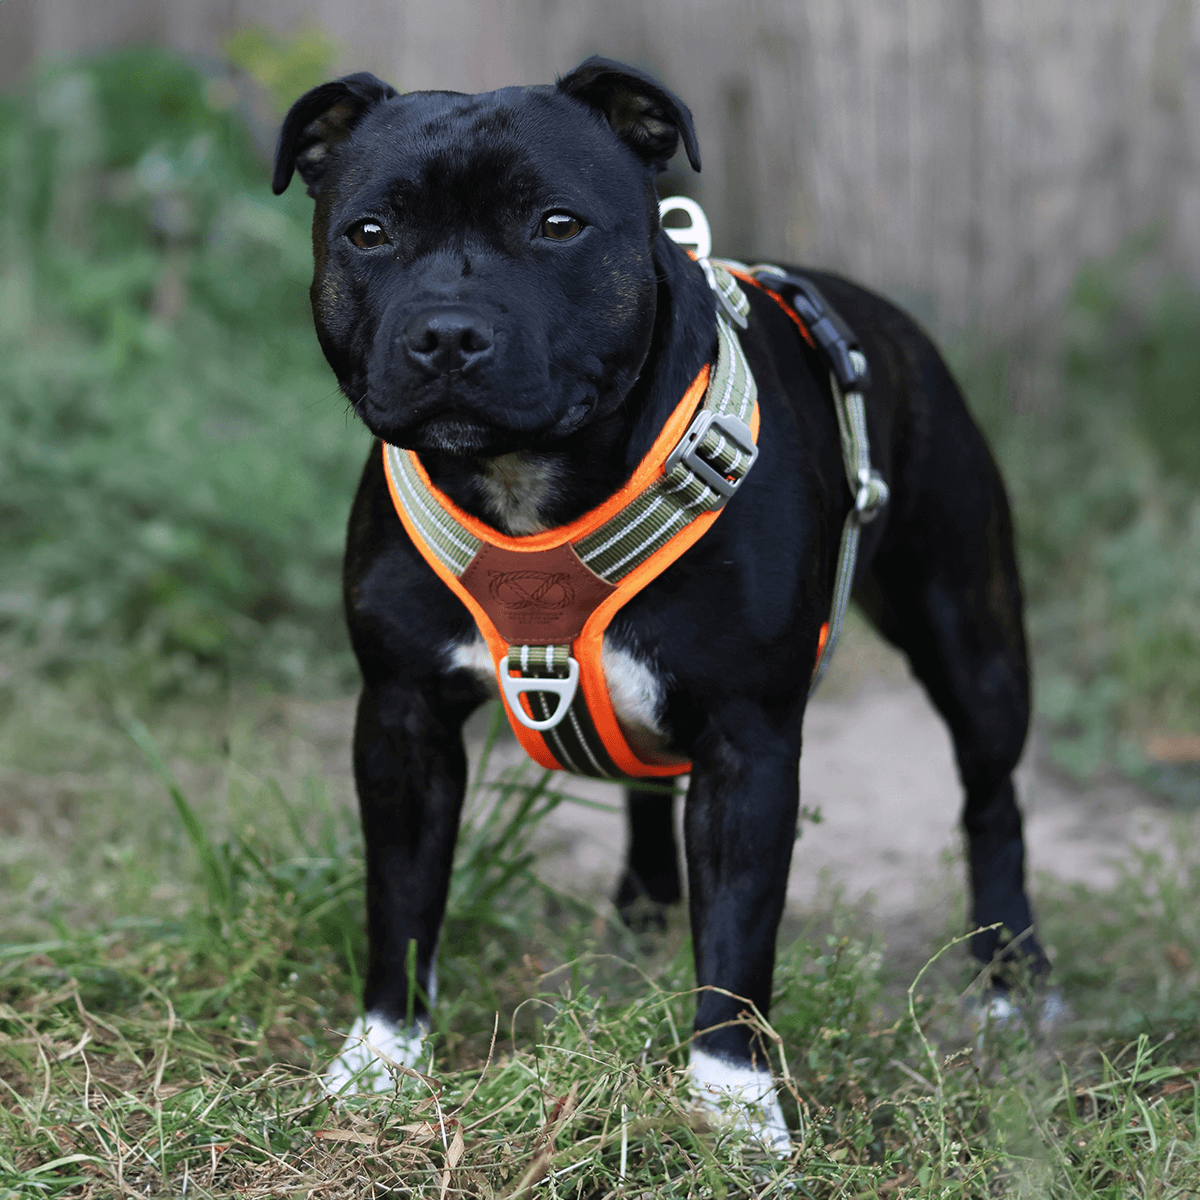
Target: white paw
[
  {"x": 359, "y": 1067},
  {"x": 742, "y": 1097},
  {"x": 1053, "y": 1012},
  {"x": 1002, "y": 1012}
]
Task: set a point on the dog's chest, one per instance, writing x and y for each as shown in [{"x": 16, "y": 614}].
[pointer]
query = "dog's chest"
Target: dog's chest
[{"x": 635, "y": 688}]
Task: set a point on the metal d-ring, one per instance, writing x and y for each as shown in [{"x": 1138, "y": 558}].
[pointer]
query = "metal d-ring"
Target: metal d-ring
[{"x": 564, "y": 689}]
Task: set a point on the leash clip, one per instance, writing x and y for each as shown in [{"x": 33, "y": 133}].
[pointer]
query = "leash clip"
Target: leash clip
[
  {"x": 564, "y": 689},
  {"x": 696, "y": 234},
  {"x": 688, "y": 452},
  {"x": 872, "y": 495}
]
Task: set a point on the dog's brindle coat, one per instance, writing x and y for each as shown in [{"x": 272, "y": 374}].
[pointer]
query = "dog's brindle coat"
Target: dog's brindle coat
[{"x": 493, "y": 291}]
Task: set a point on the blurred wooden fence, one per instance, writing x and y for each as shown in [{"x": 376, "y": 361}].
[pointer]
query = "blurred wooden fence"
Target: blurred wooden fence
[{"x": 962, "y": 155}]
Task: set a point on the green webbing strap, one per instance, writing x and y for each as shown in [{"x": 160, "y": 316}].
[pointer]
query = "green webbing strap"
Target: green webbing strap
[
  {"x": 870, "y": 495},
  {"x": 836, "y": 342},
  {"x": 682, "y": 493},
  {"x": 453, "y": 543}
]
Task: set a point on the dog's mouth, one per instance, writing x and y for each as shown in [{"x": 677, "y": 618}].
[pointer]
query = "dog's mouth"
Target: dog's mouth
[
  {"x": 455, "y": 435},
  {"x": 573, "y": 418},
  {"x": 463, "y": 435}
]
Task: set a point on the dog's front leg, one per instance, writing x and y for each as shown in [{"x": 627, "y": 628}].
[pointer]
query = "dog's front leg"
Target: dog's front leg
[
  {"x": 411, "y": 772},
  {"x": 740, "y": 826}
]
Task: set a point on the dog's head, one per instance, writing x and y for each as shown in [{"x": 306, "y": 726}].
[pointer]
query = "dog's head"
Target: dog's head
[{"x": 484, "y": 276}]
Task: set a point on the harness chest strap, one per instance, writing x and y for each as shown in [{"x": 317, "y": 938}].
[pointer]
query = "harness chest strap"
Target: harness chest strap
[{"x": 542, "y": 602}]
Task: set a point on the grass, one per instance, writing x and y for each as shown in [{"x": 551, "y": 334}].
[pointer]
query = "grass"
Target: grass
[{"x": 171, "y": 1032}]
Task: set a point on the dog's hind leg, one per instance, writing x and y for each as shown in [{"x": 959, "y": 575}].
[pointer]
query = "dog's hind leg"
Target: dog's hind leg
[
  {"x": 650, "y": 881},
  {"x": 411, "y": 773},
  {"x": 946, "y": 591}
]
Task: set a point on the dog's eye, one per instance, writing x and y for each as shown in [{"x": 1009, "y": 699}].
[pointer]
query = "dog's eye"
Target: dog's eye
[
  {"x": 366, "y": 235},
  {"x": 560, "y": 226}
]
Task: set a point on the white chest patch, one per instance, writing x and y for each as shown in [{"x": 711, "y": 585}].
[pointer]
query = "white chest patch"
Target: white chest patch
[
  {"x": 636, "y": 691},
  {"x": 514, "y": 489}
]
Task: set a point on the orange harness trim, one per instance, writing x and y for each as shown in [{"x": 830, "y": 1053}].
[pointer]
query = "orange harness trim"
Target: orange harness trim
[{"x": 587, "y": 646}]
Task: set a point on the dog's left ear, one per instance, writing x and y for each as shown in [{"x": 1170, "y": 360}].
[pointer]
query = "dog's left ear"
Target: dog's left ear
[
  {"x": 649, "y": 119},
  {"x": 318, "y": 121}
]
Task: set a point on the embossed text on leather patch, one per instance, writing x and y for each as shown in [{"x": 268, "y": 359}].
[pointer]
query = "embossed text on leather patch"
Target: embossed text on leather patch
[{"x": 537, "y": 597}]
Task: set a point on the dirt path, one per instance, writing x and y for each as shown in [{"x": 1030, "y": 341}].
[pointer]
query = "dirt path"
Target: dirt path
[{"x": 878, "y": 765}]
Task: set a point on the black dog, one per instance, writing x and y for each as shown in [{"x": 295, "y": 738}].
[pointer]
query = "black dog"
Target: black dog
[{"x": 493, "y": 291}]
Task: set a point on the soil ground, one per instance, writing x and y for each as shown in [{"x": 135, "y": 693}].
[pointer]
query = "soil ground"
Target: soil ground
[{"x": 878, "y": 765}]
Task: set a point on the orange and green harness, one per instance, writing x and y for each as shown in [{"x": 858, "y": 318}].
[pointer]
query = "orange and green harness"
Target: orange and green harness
[{"x": 542, "y": 602}]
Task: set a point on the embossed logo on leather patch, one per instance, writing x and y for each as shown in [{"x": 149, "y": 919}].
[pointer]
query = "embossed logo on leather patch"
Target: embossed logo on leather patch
[
  {"x": 543, "y": 591},
  {"x": 535, "y": 597}
]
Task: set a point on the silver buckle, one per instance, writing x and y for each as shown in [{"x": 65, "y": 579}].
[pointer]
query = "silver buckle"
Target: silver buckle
[
  {"x": 872, "y": 495},
  {"x": 687, "y": 452},
  {"x": 696, "y": 233}
]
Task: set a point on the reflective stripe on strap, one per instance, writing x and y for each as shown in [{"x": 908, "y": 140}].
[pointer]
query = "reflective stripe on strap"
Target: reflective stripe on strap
[
  {"x": 680, "y": 494},
  {"x": 452, "y": 543}
]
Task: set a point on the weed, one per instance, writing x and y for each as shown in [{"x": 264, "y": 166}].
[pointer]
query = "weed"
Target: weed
[{"x": 158, "y": 1051}]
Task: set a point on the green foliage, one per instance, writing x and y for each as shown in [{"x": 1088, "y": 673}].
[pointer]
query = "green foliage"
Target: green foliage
[
  {"x": 1101, "y": 464},
  {"x": 166, "y": 1014},
  {"x": 284, "y": 68},
  {"x": 176, "y": 463}
]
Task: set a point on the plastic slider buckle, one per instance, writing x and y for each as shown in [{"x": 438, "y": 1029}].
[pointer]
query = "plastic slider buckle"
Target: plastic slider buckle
[
  {"x": 688, "y": 453},
  {"x": 564, "y": 689}
]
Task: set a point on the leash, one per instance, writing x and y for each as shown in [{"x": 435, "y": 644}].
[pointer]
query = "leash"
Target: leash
[{"x": 822, "y": 327}]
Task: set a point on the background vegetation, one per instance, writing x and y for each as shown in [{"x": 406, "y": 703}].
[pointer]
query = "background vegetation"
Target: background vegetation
[
  {"x": 175, "y": 456},
  {"x": 175, "y": 470}
]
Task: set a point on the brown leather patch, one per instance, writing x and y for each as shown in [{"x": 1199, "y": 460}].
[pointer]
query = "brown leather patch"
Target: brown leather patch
[{"x": 535, "y": 597}]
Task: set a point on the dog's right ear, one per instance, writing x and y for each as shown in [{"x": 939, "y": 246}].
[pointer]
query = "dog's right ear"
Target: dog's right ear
[{"x": 318, "y": 121}]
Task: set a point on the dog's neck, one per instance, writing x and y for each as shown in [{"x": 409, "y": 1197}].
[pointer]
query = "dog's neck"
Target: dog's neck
[{"x": 530, "y": 490}]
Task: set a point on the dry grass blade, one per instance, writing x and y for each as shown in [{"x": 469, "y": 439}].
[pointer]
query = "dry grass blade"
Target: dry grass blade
[{"x": 534, "y": 1174}]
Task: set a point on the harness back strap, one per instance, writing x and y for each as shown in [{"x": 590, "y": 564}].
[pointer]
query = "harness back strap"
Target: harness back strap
[
  {"x": 542, "y": 602},
  {"x": 823, "y": 328}
]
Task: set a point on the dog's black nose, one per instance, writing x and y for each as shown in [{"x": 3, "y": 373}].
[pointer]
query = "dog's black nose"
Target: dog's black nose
[{"x": 442, "y": 340}]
